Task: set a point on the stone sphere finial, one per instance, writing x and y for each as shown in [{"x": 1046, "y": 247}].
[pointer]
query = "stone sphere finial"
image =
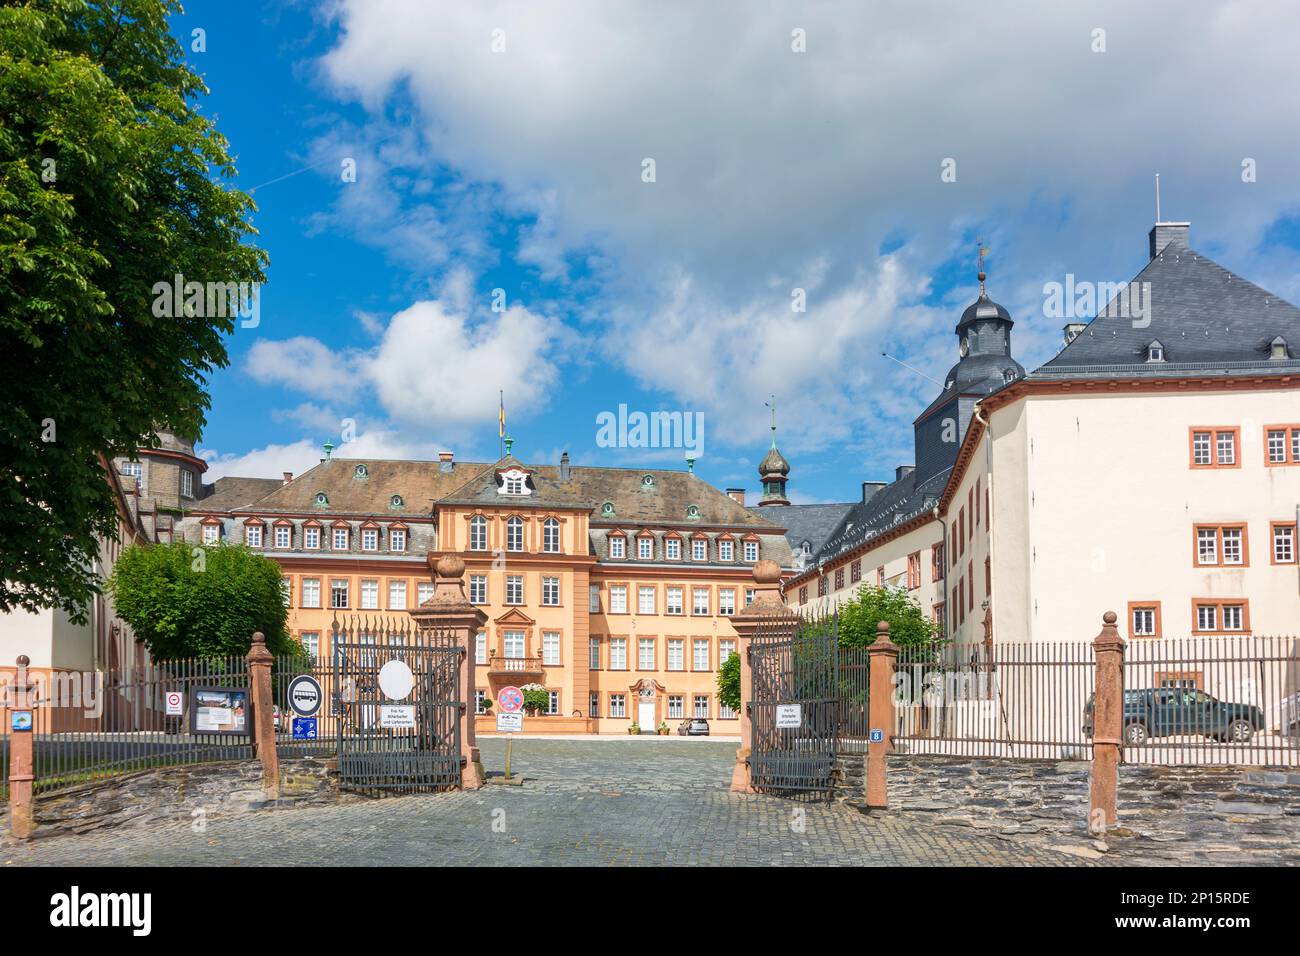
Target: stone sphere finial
[
  {"x": 1109, "y": 618},
  {"x": 259, "y": 638},
  {"x": 450, "y": 566},
  {"x": 23, "y": 660},
  {"x": 767, "y": 571}
]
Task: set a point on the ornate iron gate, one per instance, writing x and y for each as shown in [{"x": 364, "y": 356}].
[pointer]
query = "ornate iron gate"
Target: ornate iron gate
[
  {"x": 403, "y": 745},
  {"x": 794, "y": 666}
]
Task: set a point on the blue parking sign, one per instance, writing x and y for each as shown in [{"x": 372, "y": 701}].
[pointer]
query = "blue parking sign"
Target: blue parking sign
[{"x": 304, "y": 728}]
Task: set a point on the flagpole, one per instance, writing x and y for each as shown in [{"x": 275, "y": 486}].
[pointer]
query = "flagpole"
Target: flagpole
[{"x": 501, "y": 423}]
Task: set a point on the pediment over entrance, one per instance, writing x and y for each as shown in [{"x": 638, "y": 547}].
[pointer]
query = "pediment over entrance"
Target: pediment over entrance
[
  {"x": 515, "y": 617},
  {"x": 647, "y": 684}
]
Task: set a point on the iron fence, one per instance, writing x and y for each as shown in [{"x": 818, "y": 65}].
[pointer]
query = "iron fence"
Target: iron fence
[
  {"x": 1021, "y": 700},
  {"x": 1212, "y": 700},
  {"x": 853, "y": 672}
]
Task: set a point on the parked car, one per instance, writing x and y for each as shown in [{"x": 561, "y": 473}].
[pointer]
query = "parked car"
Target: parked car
[
  {"x": 1172, "y": 711},
  {"x": 275, "y": 716},
  {"x": 693, "y": 727}
]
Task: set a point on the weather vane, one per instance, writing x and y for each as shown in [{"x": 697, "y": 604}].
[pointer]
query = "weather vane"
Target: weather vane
[{"x": 984, "y": 251}]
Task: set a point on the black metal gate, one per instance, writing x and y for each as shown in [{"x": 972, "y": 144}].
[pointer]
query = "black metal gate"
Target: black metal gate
[
  {"x": 795, "y": 707},
  {"x": 396, "y": 744}
]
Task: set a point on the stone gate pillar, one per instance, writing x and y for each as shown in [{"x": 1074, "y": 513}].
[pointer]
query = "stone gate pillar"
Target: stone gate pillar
[
  {"x": 260, "y": 661},
  {"x": 882, "y": 656},
  {"x": 449, "y": 611},
  {"x": 21, "y": 766},
  {"x": 767, "y": 615},
  {"x": 1107, "y": 724}
]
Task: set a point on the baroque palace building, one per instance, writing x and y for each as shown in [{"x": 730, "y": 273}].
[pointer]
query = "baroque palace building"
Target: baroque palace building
[
  {"x": 611, "y": 588},
  {"x": 1152, "y": 467}
]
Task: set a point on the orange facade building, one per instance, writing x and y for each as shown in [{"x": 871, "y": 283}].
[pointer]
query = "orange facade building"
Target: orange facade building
[{"x": 610, "y": 588}]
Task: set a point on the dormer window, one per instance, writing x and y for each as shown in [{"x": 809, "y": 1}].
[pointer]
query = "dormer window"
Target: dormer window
[
  {"x": 607, "y": 509},
  {"x": 322, "y": 499},
  {"x": 514, "y": 482},
  {"x": 1155, "y": 352},
  {"x": 648, "y": 481},
  {"x": 395, "y": 501},
  {"x": 361, "y": 471},
  {"x": 1277, "y": 350},
  {"x": 692, "y": 511}
]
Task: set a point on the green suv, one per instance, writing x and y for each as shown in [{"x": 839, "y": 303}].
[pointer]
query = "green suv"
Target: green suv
[{"x": 1171, "y": 711}]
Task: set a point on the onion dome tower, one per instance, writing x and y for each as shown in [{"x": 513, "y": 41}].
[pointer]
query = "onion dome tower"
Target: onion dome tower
[{"x": 774, "y": 470}]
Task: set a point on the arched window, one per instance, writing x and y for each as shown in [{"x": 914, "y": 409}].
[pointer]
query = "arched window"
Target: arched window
[
  {"x": 515, "y": 534},
  {"x": 478, "y": 533},
  {"x": 551, "y": 536}
]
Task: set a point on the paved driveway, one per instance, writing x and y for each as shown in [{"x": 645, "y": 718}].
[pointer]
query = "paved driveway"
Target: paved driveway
[{"x": 615, "y": 802}]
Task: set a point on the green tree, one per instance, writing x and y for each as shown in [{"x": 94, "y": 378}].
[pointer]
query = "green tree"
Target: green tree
[
  {"x": 729, "y": 682},
  {"x": 536, "y": 700},
  {"x": 111, "y": 182},
  {"x": 200, "y": 602},
  {"x": 908, "y": 624}
]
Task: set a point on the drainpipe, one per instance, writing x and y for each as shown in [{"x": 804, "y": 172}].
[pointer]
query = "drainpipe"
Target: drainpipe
[
  {"x": 947, "y": 609},
  {"x": 988, "y": 515}
]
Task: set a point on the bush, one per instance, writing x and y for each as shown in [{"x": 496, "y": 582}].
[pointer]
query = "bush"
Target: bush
[
  {"x": 908, "y": 624},
  {"x": 729, "y": 682}
]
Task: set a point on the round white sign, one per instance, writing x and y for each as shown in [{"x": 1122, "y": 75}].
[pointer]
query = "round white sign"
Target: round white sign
[
  {"x": 395, "y": 680},
  {"x": 304, "y": 695}
]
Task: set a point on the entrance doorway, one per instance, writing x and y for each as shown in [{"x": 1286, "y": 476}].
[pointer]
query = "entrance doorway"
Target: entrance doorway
[{"x": 646, "y": 714}]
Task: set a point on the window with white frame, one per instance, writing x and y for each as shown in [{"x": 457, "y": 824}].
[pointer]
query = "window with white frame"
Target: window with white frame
[
  {"x": 338, "y": 592},
  {"x": 134, "y": 469},
  {"x": 551, "y": 591},
  {"x": 340, "y": 539},
  {"x": 699, "y": 550},
  {"x": 552, "y": 702},
  {"x": 645, "y": 599},
  {"x": 618, "y": 705},
  {"x": 369, "y": 539},
  {"x": 1284, "y": 544},
  {"x": 593, "y": 653},
  {"x": 514, "y": 589},
  {"x": 478, "y": 533},
  {"x": 423, "y": 591},
  {"x": 726, "y": 647},
  {"x": 1232, "y": 550},
  {"x": 1144, "y": 622},
  {"x": 478, "y": 589},
  {"x": 593, "y": 599},
  {"x": 725, "y": 712},
  {"x": 211, "y": 533},
  {"x": 749, "y": 596},
  {"x": 645, "y": 548},
  {"x": 1226, "y": 447},
  {"x": 551, "y": 648},
  {"x": 1276, "y": 446},
  {"x": 286, "y": 591},
  {"x": 617, "y": 547},
  {"x": 1207, "y": 617},
  {"x": 369, "y": 595},
  {"x": 701, "y": 706},
  {"x": 675, "y": 709},
  {"x": 397, "y": 595},
  {"x": 515, "y": 534},
  {"x": 283, "y": 534},
  {"x": 700, "y": 652},
  {"x": 673, "y": 600},
  {"x": 593, "y": 704},
  {"x": 512, "y": 643},
  {"x": 618, "y": 653},
  {"x": 480, "y": 648},
  {"x": 618, "y": 599},
  {"x": 1233, "y": 617},
  {"x": 513, "y": 484},
  {"x": 253, "y": 535},
  {"x": 1201, "y": 445},
  {"x": 700, "y": 601},
  {"x": 397, "y": 539},
  {"x": 311, "y": 592},
  {"x": 1207, "y": 545},
  {"x": 726, "y": 601},
  {"x": 311, "y": 538},
  {"x": 676, "y": 654},
  {"x": 479, "y": 697},
  {"x": 551, "y": 536},
  {"x": 310, "y": 643},
  {"x": 751, "y": 551},
  {"x": 645, "y": 654},
  {"x": 726, "y": 551},
  {"x": 673, "y": 549}
]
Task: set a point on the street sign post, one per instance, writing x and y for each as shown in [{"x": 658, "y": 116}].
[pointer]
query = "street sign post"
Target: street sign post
[
  {"x": 512, "y": 723},
  {"x": 789, "y": 716},
  {"x": 175, "y": 703},
  {"x": 305, "y": 695},
  {"x": 511, "y": 701},
  {"x": 304, "y": 728}
]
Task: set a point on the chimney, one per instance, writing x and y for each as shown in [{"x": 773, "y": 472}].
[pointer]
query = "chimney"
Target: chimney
[
  {"x": 871, "y": 488},
  {"x": 564, "y": 467},
  {"x": 902, "y": 471},
  {"x": 446, "y": 461},
  {"x": 737, "y": 495},
  {"x": 288, "y": 477},
  {"x": 1166, "y": 233}
]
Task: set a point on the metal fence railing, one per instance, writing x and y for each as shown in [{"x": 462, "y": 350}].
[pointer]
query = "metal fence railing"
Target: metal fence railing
[
  {"x": 1212, "y": 700},
  {"x": 1019, "y": 700},
  {"x": 854, "y": 673}
]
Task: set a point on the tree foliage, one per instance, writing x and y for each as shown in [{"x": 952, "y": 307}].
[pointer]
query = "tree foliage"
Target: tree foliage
[
  {"x": 200, "y": 602},
  {"x": 908, "y": 624},
  {"x": 111, "y": 181},
  {"x": 729, "y": 682}
]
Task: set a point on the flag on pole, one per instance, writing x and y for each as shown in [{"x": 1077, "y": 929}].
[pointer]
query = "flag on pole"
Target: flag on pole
[{"x": 501, "y": 429}]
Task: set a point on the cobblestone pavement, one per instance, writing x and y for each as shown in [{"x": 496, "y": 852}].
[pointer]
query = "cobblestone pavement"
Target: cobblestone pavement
[{"x": 605, "y": 803}]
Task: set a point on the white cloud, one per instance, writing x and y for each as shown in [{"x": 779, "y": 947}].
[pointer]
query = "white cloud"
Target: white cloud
[
  {"x": 273, "y": 460},
  {"x": 778, "y": 169},
  {"x": 301, "y": 363}
]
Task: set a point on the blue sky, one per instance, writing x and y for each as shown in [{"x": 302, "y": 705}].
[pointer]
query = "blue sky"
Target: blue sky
[{"x": 520, "y": 168}]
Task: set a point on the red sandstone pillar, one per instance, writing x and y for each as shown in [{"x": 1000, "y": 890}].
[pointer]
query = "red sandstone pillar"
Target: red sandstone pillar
[
  {"x": 450, "y": 612},
  {"x": 1107, "y": 725},
  {"x": 260, "y": 660},
  {"x": 767, "y": 612},
  {"x": 21, "y": 775},
  {"x": 883, "y": 657}
]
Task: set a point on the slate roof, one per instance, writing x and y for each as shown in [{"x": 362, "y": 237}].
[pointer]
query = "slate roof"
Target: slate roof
[
  {"x": 1209, "y": 321},
  {"x": 229, "y": 494},
  {"x": 811, "y": 523},
  {"x": 897, "y": 502}
]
